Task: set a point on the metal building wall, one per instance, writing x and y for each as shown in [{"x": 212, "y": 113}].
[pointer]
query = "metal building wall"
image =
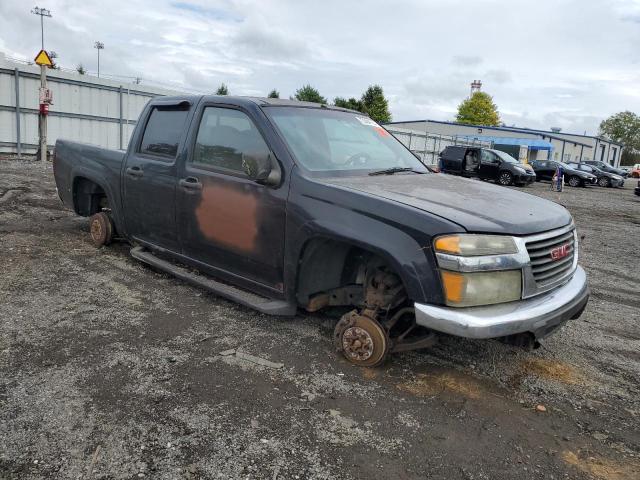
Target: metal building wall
[
  {"x": 569, "y": 147},
  {"x": 85, "y": 108}
]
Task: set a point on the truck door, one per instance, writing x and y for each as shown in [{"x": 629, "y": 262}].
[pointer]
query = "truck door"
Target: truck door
[
  {"x": 149, "y": 176},
  {"x": 225, "y": 220}
]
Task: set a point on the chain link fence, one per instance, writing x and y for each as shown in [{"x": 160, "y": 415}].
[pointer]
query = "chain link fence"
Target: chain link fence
[{"x": 427, "y": 146}]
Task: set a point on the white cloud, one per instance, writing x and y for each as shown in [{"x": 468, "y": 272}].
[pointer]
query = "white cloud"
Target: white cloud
[{"x": 566, "y": 63}]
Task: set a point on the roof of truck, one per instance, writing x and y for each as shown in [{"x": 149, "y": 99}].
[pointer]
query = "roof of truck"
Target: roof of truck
[{"x": 239, "y": 100}]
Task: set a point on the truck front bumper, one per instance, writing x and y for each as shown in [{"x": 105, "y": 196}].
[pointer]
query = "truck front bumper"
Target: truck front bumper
[{"x": 539, "y": 315}]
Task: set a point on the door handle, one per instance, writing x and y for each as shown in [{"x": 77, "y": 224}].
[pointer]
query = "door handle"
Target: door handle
[
  {"x": 135, "y": 171},
  {"x": 190, "y": 183}
]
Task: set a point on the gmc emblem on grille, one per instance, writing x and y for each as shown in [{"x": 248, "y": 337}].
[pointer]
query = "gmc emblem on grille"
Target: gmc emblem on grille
[{"x": 560, "y": 252}]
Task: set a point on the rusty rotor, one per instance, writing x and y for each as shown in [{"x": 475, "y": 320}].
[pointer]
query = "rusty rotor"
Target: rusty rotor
[{"x": 361, "y": 339}]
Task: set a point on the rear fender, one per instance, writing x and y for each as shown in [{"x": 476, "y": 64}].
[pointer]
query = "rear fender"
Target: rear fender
[{"x": 100, "y": 180}]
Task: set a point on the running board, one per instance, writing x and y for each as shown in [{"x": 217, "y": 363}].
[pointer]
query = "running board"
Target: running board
[{"x": 243, "y": 297}]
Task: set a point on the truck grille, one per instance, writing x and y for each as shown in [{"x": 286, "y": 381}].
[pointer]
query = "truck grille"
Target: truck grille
[{"x": 546, "y": 268}]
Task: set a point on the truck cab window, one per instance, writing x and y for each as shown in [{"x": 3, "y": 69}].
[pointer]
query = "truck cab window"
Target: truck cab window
[
  {"x": 224, "y": 136},
  {"x": 162, "y": 132}
]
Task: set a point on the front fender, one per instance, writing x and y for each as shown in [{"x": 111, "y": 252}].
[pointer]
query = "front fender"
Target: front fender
[{"x": 401, "y": 235}]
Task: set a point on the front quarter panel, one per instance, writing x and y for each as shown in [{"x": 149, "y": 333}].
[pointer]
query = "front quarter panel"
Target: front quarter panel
[{"x": 399, "y": 234}]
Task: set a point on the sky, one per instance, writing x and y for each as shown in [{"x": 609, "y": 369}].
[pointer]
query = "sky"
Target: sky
[{"x": 547, "y": 63}]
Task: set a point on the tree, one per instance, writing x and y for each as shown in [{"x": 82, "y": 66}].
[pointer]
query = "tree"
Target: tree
[
  {"x": 375, "y": 104},
  {"x": 222, "y": 90},
  {"x": 274, "y": 94},
  {"x": 623, "y": 127},
  {"x": 80, "y": 69},
  {"x": 309, "y": 94},
  {"x": 352, "y": 103},
  {"x": 479, "y": 109}
]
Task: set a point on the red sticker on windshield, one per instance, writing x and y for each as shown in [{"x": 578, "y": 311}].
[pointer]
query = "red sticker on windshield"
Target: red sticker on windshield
[{"x": 382, "y": 132}]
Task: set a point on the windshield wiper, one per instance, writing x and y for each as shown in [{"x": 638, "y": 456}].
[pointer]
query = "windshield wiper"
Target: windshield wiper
[{"x": 392, "y": 170}]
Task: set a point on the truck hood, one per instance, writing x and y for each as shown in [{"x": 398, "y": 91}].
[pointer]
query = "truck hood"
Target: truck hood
[{"x": 475, "y": 205}]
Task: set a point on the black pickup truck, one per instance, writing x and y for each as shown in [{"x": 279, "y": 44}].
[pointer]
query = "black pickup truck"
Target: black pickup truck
[{"x": 281, "y": 205}]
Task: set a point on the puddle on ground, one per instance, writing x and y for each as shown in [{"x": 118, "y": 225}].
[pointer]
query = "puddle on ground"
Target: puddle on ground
[{"x": 603, "y": 468}]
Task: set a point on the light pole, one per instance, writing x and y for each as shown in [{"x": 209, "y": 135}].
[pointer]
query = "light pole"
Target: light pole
[
  {"x": 43, "y": 12},
  {"x": 98, "y": 46},
  {"x": 45, "y": 99}
]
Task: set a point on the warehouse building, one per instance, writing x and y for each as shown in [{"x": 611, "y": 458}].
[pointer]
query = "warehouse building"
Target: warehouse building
[{"x": 537, "y": 144}]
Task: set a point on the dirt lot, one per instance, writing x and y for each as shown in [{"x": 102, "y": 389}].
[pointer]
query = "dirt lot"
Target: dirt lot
[{"x": 109, "y": 369}]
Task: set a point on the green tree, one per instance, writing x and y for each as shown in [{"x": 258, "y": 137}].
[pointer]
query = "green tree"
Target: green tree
[
  {"x": 309, "y": 94},
  {"x": 375, "y": 104},
  {"x": 479, "y": 109},
  {"x": 352, "y": 103},
  {"x": 274, "y": 94},
  {"x": 222, "y": 90},
  {"x": 80, "y": 69},
  {"x": 624, "y": 127}
]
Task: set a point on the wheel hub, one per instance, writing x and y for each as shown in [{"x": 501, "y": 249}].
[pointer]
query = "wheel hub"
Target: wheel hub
[
  {"x": 357, "y": 344},
  {"x": 361, "y": 339},
  {"x": 96, "y": 229}
]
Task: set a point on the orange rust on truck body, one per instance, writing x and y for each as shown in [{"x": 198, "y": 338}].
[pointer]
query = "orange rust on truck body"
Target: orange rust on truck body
[{"x": 227, "y": 215}]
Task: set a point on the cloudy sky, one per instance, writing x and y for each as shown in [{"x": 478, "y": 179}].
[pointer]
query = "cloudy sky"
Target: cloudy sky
[{"x": 566, "y": 63}]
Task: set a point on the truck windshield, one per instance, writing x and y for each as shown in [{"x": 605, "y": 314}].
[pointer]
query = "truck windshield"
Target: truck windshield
[{"x": 337, "y": 142}]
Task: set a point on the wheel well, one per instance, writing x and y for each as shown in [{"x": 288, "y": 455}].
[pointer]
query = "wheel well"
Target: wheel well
[
  {"x": 327, "y": 264},
  {"x": 88, "y": 197}
]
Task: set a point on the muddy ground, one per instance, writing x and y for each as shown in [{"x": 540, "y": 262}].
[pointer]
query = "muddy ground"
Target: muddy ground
[{"x": 109, "y": 369}]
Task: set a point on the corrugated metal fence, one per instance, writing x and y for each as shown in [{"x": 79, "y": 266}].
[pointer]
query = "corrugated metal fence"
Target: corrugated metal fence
[{"x": 85, "y": 108}]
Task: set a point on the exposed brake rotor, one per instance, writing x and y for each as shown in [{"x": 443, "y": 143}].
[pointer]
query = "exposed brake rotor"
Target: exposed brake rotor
[{"x": 361, "y": 339}]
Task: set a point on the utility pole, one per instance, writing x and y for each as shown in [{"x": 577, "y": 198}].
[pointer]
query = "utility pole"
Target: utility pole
[
  {"x": 44, "y": 92},
  {"x": 98, "y": 46}
]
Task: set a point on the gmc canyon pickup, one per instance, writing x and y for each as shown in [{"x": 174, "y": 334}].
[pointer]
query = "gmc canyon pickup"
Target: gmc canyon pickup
[{"x": 280, "y": 205}]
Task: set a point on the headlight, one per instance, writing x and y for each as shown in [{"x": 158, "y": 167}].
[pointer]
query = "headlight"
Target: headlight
[
  {"x": 519, "y": 169},
  {"x": 470, "y": 245},
  {"x": 481, "y": 288},
  {"x": 479, "y": 269}
]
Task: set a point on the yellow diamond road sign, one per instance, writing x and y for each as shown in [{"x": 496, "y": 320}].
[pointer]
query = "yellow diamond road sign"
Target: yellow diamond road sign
[{"x": 43, "y": 58}]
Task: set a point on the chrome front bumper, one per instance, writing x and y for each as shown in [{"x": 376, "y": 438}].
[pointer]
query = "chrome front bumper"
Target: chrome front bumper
[{"x": 539, "y": 315}]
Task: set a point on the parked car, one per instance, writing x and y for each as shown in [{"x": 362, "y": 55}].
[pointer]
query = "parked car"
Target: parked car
[
  {"x": 635, "y": 171},
  {"x": 605, "y": 179},
  {"x": 546, "y": 169},
  {"x": 637, "y": 189},
  {"x": 606, "y": 167},
  {"x": 280, "y": 205},
  {"x": 486, "y": 164}
]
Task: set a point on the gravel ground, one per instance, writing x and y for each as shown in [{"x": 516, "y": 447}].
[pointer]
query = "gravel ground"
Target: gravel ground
[{"x": 111, "y": 370}]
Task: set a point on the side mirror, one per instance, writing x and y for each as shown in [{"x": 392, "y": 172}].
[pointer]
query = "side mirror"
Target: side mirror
[{"x": 260, "y": 168}]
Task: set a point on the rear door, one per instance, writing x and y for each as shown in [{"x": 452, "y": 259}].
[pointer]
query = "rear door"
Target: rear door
[
  {"x": 227, "y": 221},
  {"x": 489, "y": 165},
  {"x": 452, "y": 158},
  {"x": 149, "y": 176},
  {"x": 545, "y": 170}
]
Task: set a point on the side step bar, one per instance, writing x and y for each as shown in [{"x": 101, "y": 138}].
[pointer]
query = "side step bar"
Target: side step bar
[{"x": 248, "y": 299}]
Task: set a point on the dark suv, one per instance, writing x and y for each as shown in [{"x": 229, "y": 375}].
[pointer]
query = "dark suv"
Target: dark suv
[
  {"x": 485, "y": 163},
  {"x": 546, "y": 169}
]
